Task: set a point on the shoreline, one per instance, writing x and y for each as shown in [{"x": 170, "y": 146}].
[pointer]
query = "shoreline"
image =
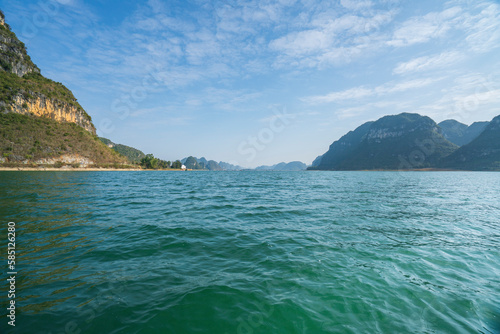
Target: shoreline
[
  {"x": 79, "y": 169},
  {"x": 102, "y": 169}
]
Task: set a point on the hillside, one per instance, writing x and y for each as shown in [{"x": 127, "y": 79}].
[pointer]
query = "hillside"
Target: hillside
[
  {"x": 132, "y": 154},
  {"x": 341, "y": 149},
  {"x": 37, "y": 140},
  {"x": 404, "y": 141},
  {"x": 461, "y": 134},
  {"x": 41, "y": 122},
  {"x": 483, "y": 153},
  {"x": 25, "y": 91}
]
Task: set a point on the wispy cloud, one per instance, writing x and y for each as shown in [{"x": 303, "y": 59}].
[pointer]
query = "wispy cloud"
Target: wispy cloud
[
  {"x": 330, "y": 41},
  {"x": 480, "y": 23},
  {"x": 426, "y": 63},
  {"x": 363, "y": 92},
  {"x": 421, "y": 29},
  {"x": 465, "y": 97},
  {"x": 356, "y": 5},
  {"x": 484, "y": 28}
]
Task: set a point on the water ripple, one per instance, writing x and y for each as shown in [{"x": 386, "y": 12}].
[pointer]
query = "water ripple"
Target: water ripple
[{"x": 243, "y": 252}]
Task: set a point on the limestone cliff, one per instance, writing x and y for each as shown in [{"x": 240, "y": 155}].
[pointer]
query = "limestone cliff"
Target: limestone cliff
[
  {"x": 25, "y": 91},
  {"x": 44, "y": 107}
]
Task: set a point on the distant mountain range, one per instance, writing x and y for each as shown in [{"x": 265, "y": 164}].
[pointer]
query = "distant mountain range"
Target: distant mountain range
[
  {"x": 283, "y": 166},
  {"x": 482, "y": 153},
  {"x": 202, "y": 163},
  {"x": 461, "y": 134},
  {"x": 411, "y": 141}
]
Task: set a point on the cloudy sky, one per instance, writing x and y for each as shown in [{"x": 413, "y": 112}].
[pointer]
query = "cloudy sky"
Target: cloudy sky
[{"x": 260, "y": 82}]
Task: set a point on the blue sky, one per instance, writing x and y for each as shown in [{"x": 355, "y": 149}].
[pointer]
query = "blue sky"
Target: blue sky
[{"x": 260, "y": 82}]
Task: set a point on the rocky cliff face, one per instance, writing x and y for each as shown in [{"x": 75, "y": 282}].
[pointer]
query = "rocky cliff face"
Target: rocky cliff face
[
  {"x": 26, "y": 91},
  {"x": 57, "y": 110},
  {"x": 14, "y": 58}
]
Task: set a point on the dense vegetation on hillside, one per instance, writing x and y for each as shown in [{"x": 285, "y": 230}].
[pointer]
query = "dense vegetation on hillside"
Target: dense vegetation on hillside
[
  {"x": 31, "y": 86},
  {"x": 133, "y": 155},
  {"x": 28, "y": 138},
  {"x": 459, "y": 133},
  {"x": 404, "y": 141},
  {"x": 150, "y": 162},
  {"x": 483, "y": 153},
  {"x": 411, "y": 141}
]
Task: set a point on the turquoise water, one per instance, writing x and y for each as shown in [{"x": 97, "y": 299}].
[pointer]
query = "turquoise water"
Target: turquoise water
[{"x": 253, "y": 252}]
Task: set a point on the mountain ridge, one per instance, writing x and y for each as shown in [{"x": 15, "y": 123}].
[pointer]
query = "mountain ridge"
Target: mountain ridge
[
  {"x": 132, "y": 154},
  {"x": 459, "y": 133},
  {"x": 412, "y": 141},
  {"x": 26, "y": 91},
  {"x": 41, "y": 122},
  {"x": 482, "y": 153},
  {"x": 283, "y": 166},
  {"x": 391, "y": 142}
]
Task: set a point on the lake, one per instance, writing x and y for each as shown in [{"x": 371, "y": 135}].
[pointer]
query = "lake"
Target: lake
[{"x": 253, "y": 252}]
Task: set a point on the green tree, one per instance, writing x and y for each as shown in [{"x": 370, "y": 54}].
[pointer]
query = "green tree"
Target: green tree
[
  {"x": 176, "y": 164},
  {"x": 163, "y": 164},
  {"x": 150, "y": 162}
]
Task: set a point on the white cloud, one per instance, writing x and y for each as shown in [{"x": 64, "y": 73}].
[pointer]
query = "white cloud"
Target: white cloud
[
  {"x": 465, "y": 97},
  {"x": 404, "y": 86},
  {"x": 363, "y": 92},
  {"x": 352, "y": 93},
  {"x": 429, "y": 63},
  {"x": 66, "y": 2},
  {"x": 330, "y": 41},
  {"x": 303, "y": 42},
  {"x": 484, "y": 29},
  {"x": 356, "y": 4},
  {"x": 421, "y": 29}
]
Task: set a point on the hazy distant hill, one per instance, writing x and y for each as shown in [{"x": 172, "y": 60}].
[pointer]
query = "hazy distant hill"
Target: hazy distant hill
[
  {"x": 191, "y": 163},
  {"x": 283, "y": 166},
  {"x": 228, "y": 166},
  {"x": 483, "y": 153},
  {"x": 213, "y": 165},
  {"x": 459, "y": 133},
  {"x": 203, "y": 163},
  {"x": 404, "y": 141}
]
